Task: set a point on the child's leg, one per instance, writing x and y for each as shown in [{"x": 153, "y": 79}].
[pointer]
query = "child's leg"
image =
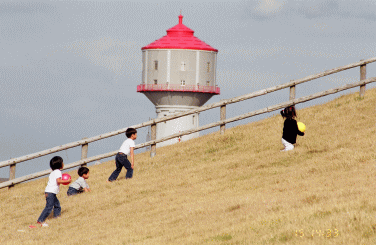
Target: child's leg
[
  {"x": 117, "y": 171},
  {"x": 57, "y": 208},
  {"x": 129, "y": 173},
  {"x": 71, "y": 191},
  {"x": 127, "y": 164},
  {"x": 49, "y": 206},
  {"x": 288, "y": 146}
]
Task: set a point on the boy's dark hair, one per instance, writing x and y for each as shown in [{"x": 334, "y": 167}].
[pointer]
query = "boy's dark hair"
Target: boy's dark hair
[
  {"x": 130, "y": 131},
  {"x": 83, "y": 170},
  {"x": 56, "y": 163},
  {"x": 289, "y": 112}
]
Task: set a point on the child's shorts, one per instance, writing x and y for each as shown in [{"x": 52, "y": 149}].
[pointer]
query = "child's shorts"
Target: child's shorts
[{"x": 71, "y": 191}]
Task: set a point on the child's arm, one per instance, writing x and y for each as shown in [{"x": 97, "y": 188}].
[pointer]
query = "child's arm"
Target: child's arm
[
  {"x": 132, "y": 157},
  {"x": 60, "y": 181},
  {"x": 85, "y": 186}
]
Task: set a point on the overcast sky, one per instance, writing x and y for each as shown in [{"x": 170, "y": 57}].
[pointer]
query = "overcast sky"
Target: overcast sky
[{"x": 69, "y": 69}]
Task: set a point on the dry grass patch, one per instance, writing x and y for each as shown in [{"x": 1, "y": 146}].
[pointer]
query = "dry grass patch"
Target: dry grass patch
[{"x": 235, "y": 188}]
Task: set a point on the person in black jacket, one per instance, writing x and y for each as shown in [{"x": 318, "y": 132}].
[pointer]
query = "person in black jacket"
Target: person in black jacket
[{"x": 290, "y": 128}]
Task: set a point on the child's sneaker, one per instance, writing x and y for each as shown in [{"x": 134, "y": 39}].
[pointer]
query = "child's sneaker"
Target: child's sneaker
[{"x": 44, "y": 224}]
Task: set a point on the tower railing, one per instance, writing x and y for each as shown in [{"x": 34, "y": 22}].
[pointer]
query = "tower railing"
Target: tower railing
[
  {"x": 223, "y": 121},
  {"x": 178, "y": 88}
]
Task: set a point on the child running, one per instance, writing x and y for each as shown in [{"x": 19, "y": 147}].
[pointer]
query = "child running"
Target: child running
[
  {"x": 54, "y": 180},
  {"x": 126, "y": 149},
  {"x": 290, "y": 128},
  {"x": 80, "y": 184}
]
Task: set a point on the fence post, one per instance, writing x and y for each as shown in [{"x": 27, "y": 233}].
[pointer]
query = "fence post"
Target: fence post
[
  {"x": 292, "y": 92},
  {"x": 12, "y": 173},
  {"x": 223, "y": 117},
  {"x": 153, "y": 150},
  {"x": 362, "y": 77},
  {"x": 84, "y": 150}
]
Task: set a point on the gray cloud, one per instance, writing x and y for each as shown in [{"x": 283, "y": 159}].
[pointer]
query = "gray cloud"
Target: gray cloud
[
  {"x": 118, "y": 57},
  {"x": 275, "y": 9},
  {"x": 26, "y": 7},
  {"x": 27, "y": 21},
  {"x": 315, "y": 9}
]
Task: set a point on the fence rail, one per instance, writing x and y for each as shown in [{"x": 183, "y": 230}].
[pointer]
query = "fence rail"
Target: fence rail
[{"x": 223, "y": 121}]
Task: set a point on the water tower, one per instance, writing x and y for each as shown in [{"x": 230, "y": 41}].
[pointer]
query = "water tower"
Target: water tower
[{"x": 178, "y": 75}]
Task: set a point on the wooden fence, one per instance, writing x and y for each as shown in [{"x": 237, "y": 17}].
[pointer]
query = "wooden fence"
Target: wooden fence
[{"x": 222, "y": 123}]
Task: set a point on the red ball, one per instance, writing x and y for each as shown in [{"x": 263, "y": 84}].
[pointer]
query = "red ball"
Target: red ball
[{"x": 66, "y": 177}]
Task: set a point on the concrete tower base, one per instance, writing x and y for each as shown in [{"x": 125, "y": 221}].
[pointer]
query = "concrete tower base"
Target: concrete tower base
[{"x": 176, "y": 125}]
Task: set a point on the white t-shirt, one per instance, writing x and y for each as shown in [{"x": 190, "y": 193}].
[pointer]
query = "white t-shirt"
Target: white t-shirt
[
  {"x": 79, "y": 184},
  {"x": 126, "y": 146},
  {"x": 52, "y": 185}
]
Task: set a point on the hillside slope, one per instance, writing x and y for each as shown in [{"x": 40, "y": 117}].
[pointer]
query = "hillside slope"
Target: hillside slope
[{"x": 236, "y": 188}]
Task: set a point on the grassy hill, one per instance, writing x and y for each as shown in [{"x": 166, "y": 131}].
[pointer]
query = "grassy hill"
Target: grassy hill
[{"x": 236, "y": 188}]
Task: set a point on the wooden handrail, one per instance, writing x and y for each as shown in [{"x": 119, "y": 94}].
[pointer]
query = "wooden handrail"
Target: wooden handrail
[
  {"x": 210, "y": 125},
  {"x": 267, "y": 109},
  {"x": 193, "y": 111}
]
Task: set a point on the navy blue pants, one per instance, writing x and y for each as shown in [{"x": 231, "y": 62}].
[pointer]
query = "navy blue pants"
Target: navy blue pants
[
  {"x": 121, "y": 161},
  {"x": 51, "y": 203},
  {"x": 71, "y": 191}
]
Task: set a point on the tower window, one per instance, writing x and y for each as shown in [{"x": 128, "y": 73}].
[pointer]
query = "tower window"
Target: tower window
[
  {"x": 208, "y": 67},
  {"x": 183, "y": 66},
  {"x": 155, "y": 81},
  {"x": 156, "y": 65},
  {"x": 182, "y": 82},
  {"x": 207, "y": 83}
]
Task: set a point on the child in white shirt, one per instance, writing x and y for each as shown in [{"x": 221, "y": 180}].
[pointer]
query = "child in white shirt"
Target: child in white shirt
[
  {"x": 126, "y": 149},
  {"x": 52, "y": 188}
]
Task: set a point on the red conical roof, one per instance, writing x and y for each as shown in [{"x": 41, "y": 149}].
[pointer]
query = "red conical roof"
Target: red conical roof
[{"x": 179, "y": 37}]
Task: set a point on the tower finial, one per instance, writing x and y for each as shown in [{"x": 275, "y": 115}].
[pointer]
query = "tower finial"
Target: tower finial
[{"x": 180, "y": 18}]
